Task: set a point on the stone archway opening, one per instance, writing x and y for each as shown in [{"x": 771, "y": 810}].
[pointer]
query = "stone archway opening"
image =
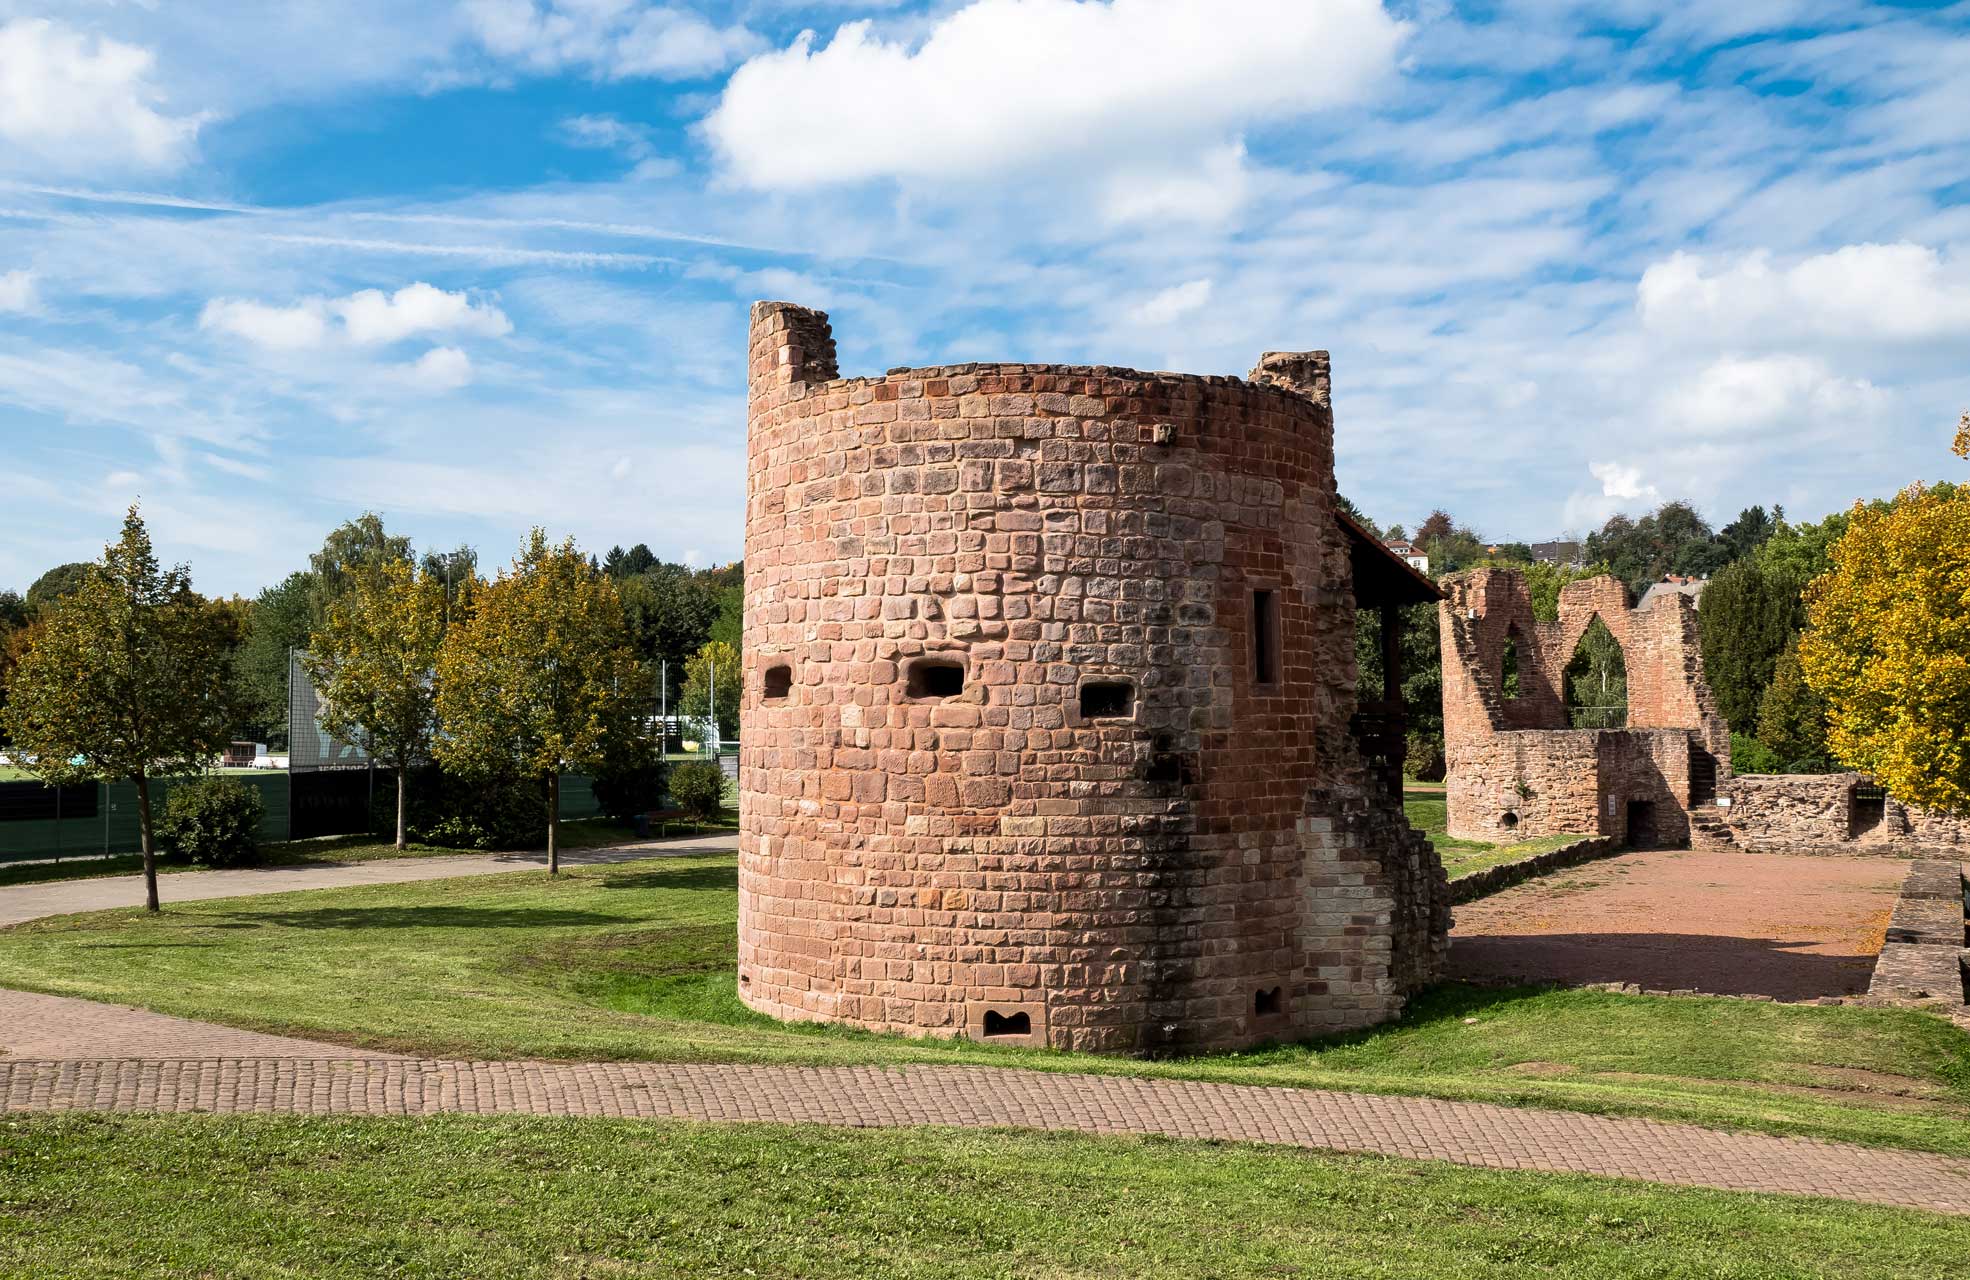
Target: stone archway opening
[{"x": 1597, "y": 681}]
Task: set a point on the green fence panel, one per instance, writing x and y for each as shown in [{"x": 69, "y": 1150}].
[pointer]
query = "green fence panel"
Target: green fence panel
[
  {"x": 116, "y": 826},
  {"x": 578, "y": 797}
]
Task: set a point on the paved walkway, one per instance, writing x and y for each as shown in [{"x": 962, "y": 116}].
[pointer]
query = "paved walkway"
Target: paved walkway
[
  {"x": 19, "y": 903},
  {"x": 75, "y": 1055}
]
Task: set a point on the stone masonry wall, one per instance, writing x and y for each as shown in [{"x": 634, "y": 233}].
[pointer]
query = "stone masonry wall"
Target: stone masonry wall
[
  {"x": 1815, "y": 813},
  {"x": 1008, "y": 767},
  {"x": 1515, "y": 768}
]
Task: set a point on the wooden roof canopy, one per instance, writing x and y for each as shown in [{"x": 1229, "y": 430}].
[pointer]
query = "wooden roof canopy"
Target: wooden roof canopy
[{"x": 1381, "y": 577}]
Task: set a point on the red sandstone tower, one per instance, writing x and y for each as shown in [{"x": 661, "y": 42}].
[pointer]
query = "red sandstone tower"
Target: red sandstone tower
[{"x": 1046, "y": 735}]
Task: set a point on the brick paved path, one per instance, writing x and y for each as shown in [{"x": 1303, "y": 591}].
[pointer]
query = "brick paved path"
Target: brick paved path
[
  {"x": 63, "y": 1054},
  {"x": 20, "y": 903},
  {"x": 876, "y": 1097}
]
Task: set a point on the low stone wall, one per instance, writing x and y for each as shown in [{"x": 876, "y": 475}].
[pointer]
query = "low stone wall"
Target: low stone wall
[
  {"x": 1927, "y": 955},
  {"x": 1482, "y": 884},
  {"x": 1817, "y": 814}
]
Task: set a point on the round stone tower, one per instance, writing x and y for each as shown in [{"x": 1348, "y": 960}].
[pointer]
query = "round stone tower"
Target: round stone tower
[{"x": 1046, "y": 734}]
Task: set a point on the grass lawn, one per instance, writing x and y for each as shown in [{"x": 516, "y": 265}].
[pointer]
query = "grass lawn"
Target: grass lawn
[
  {"x": 636, "y": 961},
  {"x": 454, "y": 1196},
  {"x": 1426, "y": 810},
  {"x": 587, "y": 833}
]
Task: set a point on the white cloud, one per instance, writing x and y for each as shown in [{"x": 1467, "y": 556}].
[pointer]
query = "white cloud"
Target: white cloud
[
  {"x": 606, "y": 133},
  {"x": 1743, "y": 395},
  {"x": 18, "y": 291},
  {"x": 1897, "y": 292},
  {"x": 297, "y": 328},
  {"x": 1622, "y": 489},
  {"x": 72, "y": 102},
  {"x": 440, "y": 369},
  {"x": 612, "y": 39},
  {"x": 1623, "y": 484},
  {"x": 369, "y": 317},
  {"x": 1174, "y": 303},
  {"x": 620, "y": 471},
  {"x": 1024, "y": 85}
]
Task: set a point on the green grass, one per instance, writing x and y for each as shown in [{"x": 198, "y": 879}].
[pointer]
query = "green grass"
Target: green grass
[
  {"x": 1427, "y": 811},
  {"x": 636, "y": 961},
  {"x": 512, "y": 1197},
  {"x": 587, "y": 833}
]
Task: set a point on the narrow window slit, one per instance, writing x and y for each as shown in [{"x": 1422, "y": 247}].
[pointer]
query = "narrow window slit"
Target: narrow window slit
[{"x": 1265, "y": 638}]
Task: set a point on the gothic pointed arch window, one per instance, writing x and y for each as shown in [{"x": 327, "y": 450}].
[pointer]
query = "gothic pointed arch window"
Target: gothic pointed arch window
[{"x": 1597, "y": 680}]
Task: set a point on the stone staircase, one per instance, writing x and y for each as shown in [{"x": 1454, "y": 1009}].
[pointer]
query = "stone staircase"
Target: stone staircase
[{"x": 1710, "y": 828}]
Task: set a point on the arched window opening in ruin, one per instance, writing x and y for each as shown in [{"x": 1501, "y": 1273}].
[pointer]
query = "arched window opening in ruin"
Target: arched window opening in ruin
[
  {"x": 1107, "y": 700},
  {"x": 935, "y": 678},
  {"x": 999, "y": 1024},
  {"x": 778, "y": 682},
  {"x": 1597, "y": 681},
  {"x": 1269, "y": 1003},
  {"x": 1508, "y": 666}
]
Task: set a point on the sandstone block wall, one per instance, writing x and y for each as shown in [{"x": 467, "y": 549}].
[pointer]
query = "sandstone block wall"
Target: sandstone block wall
[
  {"x": 1818, "y": 813},
  {"x": 1515, "y": 767},
  {"x": 1023, "y": 756}
]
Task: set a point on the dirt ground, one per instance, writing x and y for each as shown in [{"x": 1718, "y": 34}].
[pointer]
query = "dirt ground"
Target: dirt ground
[{"x": 1730, "y": 923}]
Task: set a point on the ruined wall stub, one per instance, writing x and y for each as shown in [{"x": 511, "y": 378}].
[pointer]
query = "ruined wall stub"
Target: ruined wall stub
[
  {"x": 1516, "y": 769},
  {"x": 1009, "y": 765}
]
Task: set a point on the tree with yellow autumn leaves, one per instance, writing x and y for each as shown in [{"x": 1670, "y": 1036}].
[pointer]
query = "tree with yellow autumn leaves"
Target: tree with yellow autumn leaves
[
  {"x": 542, "y": 678},
  {"x": 372, "y": 661},
  {"x": 1888, "y": 647}
]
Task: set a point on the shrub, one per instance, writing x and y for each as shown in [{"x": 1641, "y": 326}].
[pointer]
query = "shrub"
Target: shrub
[
  {"x": 454, "y": 812},
  {"x": 214, "y": 821},
  {"x": 698, "y": 788},
  {"x": 1748, "y": 755},
  {"x": 625, "y": 793}
]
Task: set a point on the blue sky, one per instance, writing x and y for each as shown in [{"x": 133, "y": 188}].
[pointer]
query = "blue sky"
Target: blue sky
[{"x": 485, "y": 265}]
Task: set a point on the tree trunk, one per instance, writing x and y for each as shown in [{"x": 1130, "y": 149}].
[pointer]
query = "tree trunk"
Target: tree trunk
[
  {"x": 554, "y": 823},
  {"x": 149, "y": 843},
  {"x": 401, "y": 770}
]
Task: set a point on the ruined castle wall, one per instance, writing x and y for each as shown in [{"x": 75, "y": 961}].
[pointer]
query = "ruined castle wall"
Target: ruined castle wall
[
  {"x": 1103, "y": 826},
  {"x": 1817, "y": 813},
  {"x": 1515, "y": 767}
]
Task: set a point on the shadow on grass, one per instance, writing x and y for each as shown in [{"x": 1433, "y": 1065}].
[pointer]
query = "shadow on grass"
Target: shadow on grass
[
  {"x": 429, "y": 918},
  {"x": 722, "y": 878}
]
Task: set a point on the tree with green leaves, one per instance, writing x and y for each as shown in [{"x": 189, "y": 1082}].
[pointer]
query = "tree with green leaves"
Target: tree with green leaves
[
  {"x": 1792, "y": 718},
  {"x": 349, "y": 547},
  {"x": 542, "y": 678},
  {"x": 281, "y": 620},
  {"x": 373, "y": 662},
  {"x": 128, "y": 678},
  {"x": 1752, "y": 528},
  {"x": 62, "y": 580},
  {"x": 712, "y": 687},
  {"x": 1749, "y": 617}
]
